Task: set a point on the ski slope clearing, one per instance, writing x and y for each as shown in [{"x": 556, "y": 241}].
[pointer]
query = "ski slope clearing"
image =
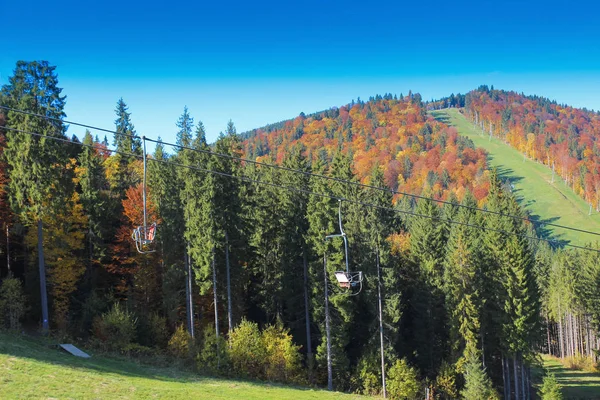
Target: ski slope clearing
[{"x": 547, "y": 201}]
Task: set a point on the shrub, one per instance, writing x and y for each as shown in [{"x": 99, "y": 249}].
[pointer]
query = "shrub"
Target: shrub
[
  {"x": 550, "y": 389},
  {"x": 282, "y": 361},
  {"x": 213, "y": 357},
  {"x": 115, "y": 329},
  {"x": 247, "y": 351},
  {"x": 367, "y": 379},
  {"x": 445, "y": 382},
  {"x": 402, "y": 382},
  {"x": 478, "y": 385},
  {"x": 580, "y": 362},
  {"x": 181, "y": 344},
  {"x": 152, "y": 331},
  {"x": 12, "y": 303}
]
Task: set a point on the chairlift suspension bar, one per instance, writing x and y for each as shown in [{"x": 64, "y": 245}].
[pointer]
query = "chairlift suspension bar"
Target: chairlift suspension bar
[{"x": 144, "y": 186}]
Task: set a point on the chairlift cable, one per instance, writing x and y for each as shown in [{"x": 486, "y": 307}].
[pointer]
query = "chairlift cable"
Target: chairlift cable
[
  {"x": 297, "y": 190},
  {"x": 280, "y": 167}
]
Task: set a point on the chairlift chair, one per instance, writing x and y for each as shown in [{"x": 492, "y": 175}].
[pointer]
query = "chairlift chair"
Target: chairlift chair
[
  {"x": 351, "y": 281},
  {"x": 144, "y": 235}
]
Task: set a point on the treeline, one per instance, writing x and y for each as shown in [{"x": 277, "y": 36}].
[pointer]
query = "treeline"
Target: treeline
[
  {"x": 571, "y": 304},
  {"x": 562, "y": 137},
  {"x": 236, "y": 282}
]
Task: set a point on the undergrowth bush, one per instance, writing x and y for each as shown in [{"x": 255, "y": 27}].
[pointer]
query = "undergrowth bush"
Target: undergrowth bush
[
  {"x": 213, "y": 357},
  {"x": 580, "y": 362},
  {"x": 116, "y": 329},
  {"x": 152, "y": 331},
  {"x": 181, "y": 345},
  {"x": 550, "y": 389},
  {"x": 270, "y": 354},
  {"x": 402, "y": 382},
  {"x": 247, "y": 351},
  {"x": 282, "y": 361},
  {"x": 367, "y": 379},
  {"x": 12, "y": 303}
]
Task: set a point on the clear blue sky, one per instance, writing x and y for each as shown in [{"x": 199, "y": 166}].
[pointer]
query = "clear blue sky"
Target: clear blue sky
[{"x": 259, "y": 62}]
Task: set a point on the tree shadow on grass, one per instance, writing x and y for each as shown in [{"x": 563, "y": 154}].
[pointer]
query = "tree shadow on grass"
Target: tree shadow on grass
[{"x": 47, "y": 351}]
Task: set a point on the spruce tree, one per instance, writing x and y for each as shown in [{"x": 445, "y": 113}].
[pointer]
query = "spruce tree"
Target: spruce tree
[
  {"x": 427, "y": 246},
  {"x": 35, "y": 186},
  {"x": 463, "y": 280},
  {"x": 478, "y": 385}
]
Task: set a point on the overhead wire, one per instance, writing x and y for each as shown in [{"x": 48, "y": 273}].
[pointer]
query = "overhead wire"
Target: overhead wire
[
  {"x": 304, "y": 191},
  {"x": 321, "y": 176}
]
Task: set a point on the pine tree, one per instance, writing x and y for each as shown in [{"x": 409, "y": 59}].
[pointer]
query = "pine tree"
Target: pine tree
[
  {"x": 550, "y": 389},
  {"x": 127, "y": 144},
  {"x": 478, "y": 385},
  {"x": 35, "y": 187},
  {"x": 463, "y": 280},
  {"x": 95, "y": 199},
  {"x": 427, "y": 246}
]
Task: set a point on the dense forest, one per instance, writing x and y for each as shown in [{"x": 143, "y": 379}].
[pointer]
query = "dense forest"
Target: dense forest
[
  {"x": 564, "y": 138},
  {"x": 235, "y": 284}
]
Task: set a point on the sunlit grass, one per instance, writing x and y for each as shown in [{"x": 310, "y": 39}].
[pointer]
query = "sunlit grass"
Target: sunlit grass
[
  {"x": 575, "y": 384},
  {"x": 37, "y": 369},
  {"x": 551, "y": 202}
]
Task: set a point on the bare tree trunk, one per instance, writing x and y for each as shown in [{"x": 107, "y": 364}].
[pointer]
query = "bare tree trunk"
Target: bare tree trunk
[
  {"x": 506, "y": 377},
  {"x": 516, "y": 374},
  {"x": 560, "y": 336},
  {"x": 214, "y": 271},
  {"x": 229, "y": 315},
  {"x": 381, "y": 325},
  {"x": 42, "y": 268},
  {"x": 309, "y": 354},
  {"x": 523, "y": 388},
  {"x": 190, "y": 298},
  {"x": 327, "y": 330},
  {"x": 8, "y": 249}
]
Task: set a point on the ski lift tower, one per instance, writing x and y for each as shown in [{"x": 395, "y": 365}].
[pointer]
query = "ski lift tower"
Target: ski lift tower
[{"x": 349, "y": 281}]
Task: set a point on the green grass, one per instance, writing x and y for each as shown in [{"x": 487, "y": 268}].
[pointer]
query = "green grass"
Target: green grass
[
  {"x": 35, "y": 369},
  {"x": 577, "y": 385},
  {"x": 549, "y": 202}
]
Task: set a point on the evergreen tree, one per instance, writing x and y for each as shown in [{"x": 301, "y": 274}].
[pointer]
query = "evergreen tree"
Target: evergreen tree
[
  {"x": 35, "y": 186},
  {"x": 463, "y": 280},
  {"x": 95, "y": 199},
  {"x": 478, "y": 385},
  {"x": 127, "y": 144},
  {"x": 550, "y": 389},
  {"x": 427, "y": 246}
]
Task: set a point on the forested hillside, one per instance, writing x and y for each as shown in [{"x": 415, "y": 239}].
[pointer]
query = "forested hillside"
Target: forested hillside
[
  {"x": 414, "y": 152},
  {"x": 564, "y": 138},
  {"x": 234, "y": 284}
]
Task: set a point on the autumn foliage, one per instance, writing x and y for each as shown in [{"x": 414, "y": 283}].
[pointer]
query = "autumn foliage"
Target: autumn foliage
[
  {"x": 416, "y": 153},
  {"x": 562, "y": 137}
]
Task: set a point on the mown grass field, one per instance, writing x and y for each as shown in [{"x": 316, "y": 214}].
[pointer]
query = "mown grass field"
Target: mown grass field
[
  {"x": 576, "y": 385},
  {"x": 36, "y": 369},
  {"x": 550, "y": 202}
]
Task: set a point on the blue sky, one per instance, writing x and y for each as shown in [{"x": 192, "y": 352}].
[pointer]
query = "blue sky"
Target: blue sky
[{"x": 261, "y": 62}]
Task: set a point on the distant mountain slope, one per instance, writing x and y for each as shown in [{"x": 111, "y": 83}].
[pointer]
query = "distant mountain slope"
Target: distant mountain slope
[
  {"x": 561, "y": 137},
  {"x": 416, "y": 153},
  {"x": 532, "y": 181}
]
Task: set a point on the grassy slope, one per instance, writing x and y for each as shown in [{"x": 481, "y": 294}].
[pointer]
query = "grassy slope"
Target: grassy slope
[
  {"x": 31, "y": 369},
  {"x": 576, "y": 384},
  {"x": 550, "y": 202}
]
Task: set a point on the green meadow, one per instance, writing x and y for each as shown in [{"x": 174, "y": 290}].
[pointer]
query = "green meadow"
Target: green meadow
[
  {"x": 546, "y": 201},
  {"x": 37, "y": 369}
]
